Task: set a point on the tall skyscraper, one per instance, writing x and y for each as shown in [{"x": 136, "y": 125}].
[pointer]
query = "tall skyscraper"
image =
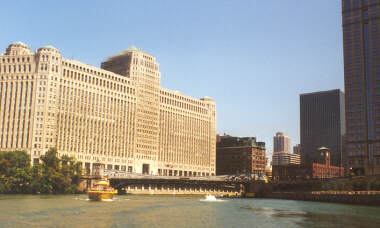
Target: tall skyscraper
[
  {"x": 322, "y": 123},
  {"x": 281, "y": 142},
  {"x": 361, "y": 41},
  {"x": 118, "y": 116}
]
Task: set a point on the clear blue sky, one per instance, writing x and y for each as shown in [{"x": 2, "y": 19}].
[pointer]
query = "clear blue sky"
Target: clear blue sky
[{"x": 253, "y": 57}]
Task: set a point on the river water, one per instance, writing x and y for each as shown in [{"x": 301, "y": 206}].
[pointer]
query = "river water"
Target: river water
[{"x": 179, "y": 211}]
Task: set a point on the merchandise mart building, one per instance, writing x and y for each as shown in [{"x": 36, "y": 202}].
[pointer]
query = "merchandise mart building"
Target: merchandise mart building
[{"x": 117, "y": 115}]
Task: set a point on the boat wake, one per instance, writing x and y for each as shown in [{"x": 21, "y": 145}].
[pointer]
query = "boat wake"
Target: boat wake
[
  {"x": 211, "y": 198},
  {"x": 215, "y": 200},
  {"x": 118, "y": 199},
  {"x": 83, "y": 199}
]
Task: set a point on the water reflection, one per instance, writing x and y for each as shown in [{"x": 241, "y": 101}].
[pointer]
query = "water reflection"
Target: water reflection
[
  {"x": 273, "y": 212},
  {"x": 312, "y": 219}
]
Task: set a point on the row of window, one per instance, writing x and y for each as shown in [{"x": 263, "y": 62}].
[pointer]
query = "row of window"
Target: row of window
[
  {"x": 46, "y": 58},
  {"x": 98, "y": 73},
  {"x": 361, "y": 162},
  {"x": 15, "y": 68},
  {"x": 98, "y": 81},
  {"x": 183, "y": 105},
  {"x": 15, "y": 60},
  {"x": 182, "y": 98},
  {"x": 357, "y": 4}
]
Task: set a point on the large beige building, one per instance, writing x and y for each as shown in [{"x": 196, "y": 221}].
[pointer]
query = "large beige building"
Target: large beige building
[{"x": 117, "y": 115}]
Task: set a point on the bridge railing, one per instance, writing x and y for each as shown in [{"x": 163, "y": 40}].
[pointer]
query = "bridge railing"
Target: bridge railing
[
  {"x": 225, "y": 178},
  {"x": 123, "y": 174}
]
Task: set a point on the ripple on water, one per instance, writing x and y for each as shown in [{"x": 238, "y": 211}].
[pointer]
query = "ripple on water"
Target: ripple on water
[
  {"x": 180, "y": 212},
  {"x": 329, "y": 220}
]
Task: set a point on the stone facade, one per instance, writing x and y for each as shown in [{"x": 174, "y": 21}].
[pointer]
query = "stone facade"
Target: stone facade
[{"x": 117, "y": 115}]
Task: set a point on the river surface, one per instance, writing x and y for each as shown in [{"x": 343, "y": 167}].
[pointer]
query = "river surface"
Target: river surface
[{"x": 179, "y": 211}]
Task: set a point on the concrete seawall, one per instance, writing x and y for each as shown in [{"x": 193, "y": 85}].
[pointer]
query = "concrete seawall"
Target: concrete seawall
[{"x": 357, "y": 198}]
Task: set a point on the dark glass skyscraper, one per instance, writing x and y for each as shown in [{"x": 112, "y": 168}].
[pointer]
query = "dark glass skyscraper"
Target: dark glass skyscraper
[
  {"x": 361, "y": 41},
  {"x": 322, "y": 124}
]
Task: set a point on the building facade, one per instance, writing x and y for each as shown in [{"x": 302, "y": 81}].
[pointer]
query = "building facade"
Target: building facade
[
  {"x": 220, "y": 137},
  {"x": 235, "y": 155},
  {"x": 284, "y": 158},
  {"x": 322, "y": 123},
  {"x": 321, "y": 169},
  {"x": 117, "y": 115},
  {"x": 297, "y": 149},
  {"x": 281, "y": 142},
  {"x": 361, "y": 42}
]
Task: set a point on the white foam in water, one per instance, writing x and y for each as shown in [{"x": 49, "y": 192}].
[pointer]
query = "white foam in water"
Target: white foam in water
[
  {"x": 211, "y": 198},
  {"x": 217, "y": 200},
  {"x": 85, "y": 199},
  {"x": 118, "y": 199}
]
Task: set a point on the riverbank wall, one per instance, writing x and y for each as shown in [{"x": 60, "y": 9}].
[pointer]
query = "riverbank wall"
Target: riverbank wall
[{"x": 367, "y": 198}]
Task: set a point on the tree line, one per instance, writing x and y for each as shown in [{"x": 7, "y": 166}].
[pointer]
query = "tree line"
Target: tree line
[{"x": 53, "y": 175}]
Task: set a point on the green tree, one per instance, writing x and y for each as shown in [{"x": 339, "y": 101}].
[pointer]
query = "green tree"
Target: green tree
[
  {"x": 15, "y": 172},
  {"x": 53, "y": 176},
  {"x": 59, "y": 175}
]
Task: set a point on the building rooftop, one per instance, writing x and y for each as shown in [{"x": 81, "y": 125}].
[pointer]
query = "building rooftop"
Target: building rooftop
[
  {"x": 19, "y": 42},
  {"x": 125, "y": 51},
  {"x": 239, "y": 141},
  {"x": 323, "y": 148},
  {"x": 322, "y": 92}
]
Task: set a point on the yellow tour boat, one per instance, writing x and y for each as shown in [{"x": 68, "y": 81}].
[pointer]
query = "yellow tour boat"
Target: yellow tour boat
[{"x": 101, "y": 191}]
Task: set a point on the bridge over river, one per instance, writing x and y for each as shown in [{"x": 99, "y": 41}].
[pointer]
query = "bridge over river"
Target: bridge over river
[{"x": 153, "y": 184}]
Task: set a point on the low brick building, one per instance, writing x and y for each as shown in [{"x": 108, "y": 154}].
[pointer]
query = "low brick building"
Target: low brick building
[
  {"x": 291, "y": 172},
  {"x": 240, "y": 155},
  {"x": 324, "y": 169},
  {"x": 321, "y": 170}
]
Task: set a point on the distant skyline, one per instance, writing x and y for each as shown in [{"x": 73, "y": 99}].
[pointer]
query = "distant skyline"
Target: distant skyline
[{"x": 254, "y": 58}]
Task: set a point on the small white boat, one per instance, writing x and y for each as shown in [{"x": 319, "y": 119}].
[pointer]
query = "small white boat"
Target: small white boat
[{"x": 210, "y": 197}]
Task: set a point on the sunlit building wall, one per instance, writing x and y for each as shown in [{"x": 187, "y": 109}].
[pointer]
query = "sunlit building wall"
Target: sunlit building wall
[{"x": 115, "y": 115}]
